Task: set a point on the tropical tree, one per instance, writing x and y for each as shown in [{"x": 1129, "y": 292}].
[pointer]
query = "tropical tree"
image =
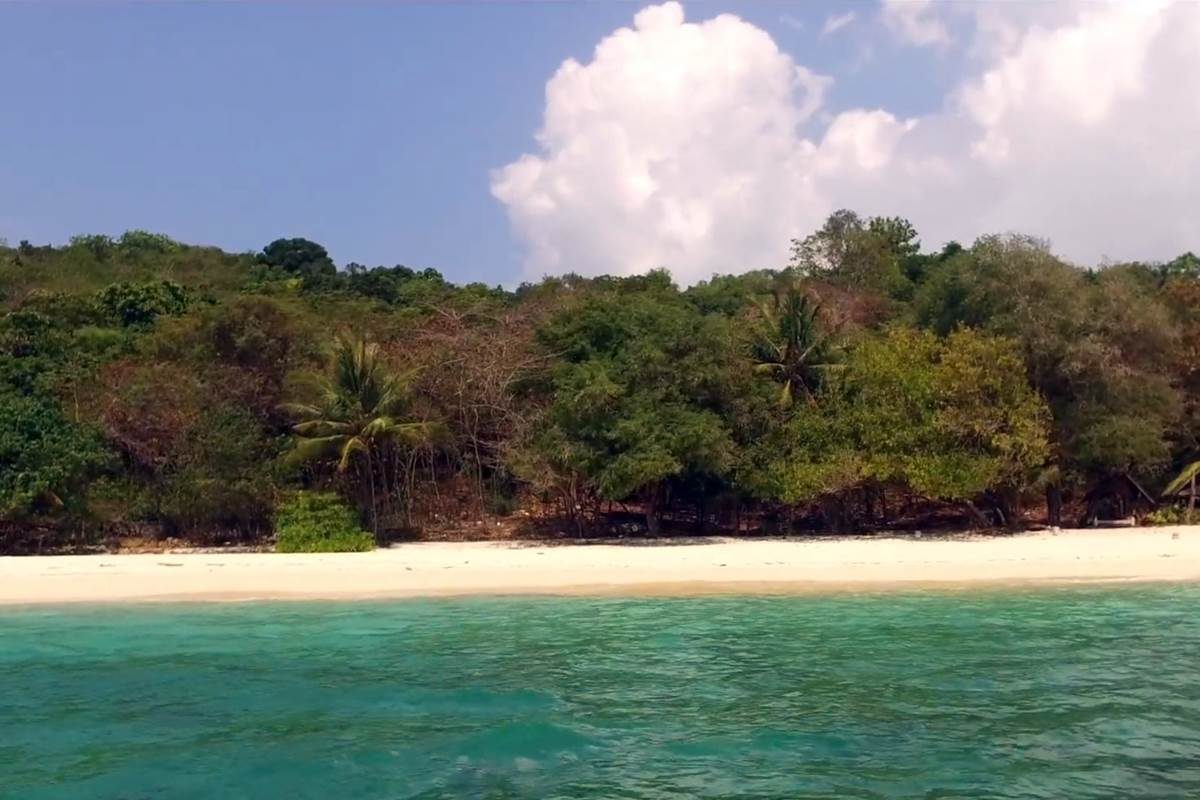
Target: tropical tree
[
  {"x": 867, "y": 255},
  {"x": 46, "y": 461},
  {"x": 790, "y": 345},
  {"x": 356, "y": 418},
  {"x": 139, "y": 304},
  {"x": 952, "y": 420},
  {"x": 1101, "y": 348},
  {"x": 638, "y": 394},
  {"x": 297, "y": 256}
]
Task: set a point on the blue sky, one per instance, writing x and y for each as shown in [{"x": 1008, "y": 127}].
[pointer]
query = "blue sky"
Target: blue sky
[
  {"x": 394, "y": 132},
  {"x": 370, "y": 128}
]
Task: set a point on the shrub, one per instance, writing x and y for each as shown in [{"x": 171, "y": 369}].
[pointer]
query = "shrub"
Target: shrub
[
  {"x": 46, "y": 461},
  {"x": 137, "y": 305},
  {"x": 218, "y": 477},
  {"x": 319, "y": 522},
  {"x": 137, "y": 243},
  {"x": 1167, "y": 515}
]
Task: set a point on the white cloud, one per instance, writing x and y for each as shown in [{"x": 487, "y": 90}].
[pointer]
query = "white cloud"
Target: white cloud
[
  {"x": 916, "y": 22},
  {"x": 795, "y": 23},
  {"x": 835, "y": 22},
  {"x": 698, "y": 146},
  {"x": 662, "y": 150}
]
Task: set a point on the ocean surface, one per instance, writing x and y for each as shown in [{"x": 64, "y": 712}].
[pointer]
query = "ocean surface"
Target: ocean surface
[{"x": 1063, "y": 693}]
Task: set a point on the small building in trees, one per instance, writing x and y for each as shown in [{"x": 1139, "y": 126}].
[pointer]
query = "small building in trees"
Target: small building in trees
[
  {"x": 1188, "y": 496},
  {"x": 1116, "y": 497},
  {"x": 1186, "y": 486}
]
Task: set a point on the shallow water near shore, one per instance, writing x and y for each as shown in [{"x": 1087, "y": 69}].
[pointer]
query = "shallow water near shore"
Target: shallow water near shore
[{"x": 1046, "y": 693}]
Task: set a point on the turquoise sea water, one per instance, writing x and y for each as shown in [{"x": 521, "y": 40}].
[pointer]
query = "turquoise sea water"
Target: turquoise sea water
[{"x": 1063, "y": 693}]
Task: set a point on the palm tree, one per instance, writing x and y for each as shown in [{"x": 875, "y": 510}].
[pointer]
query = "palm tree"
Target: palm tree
[
  {"x": 791, "y": 346},
  {"x": 1188, "y": 477},
  {"x": 356, "y": 414}
]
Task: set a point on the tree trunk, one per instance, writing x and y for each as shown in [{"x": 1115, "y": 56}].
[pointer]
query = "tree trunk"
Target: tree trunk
[
  {"x": 374, "y": 509},
  {"x": 983, "y": 521},
  {"x": 1191, "y": 502},
  {"x": 831, "y": 512},
  {"x": 1054, "y": 506},
  {"x": 652, "y": 508}
]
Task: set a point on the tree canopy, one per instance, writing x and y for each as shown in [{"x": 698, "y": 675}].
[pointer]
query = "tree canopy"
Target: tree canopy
[{"x": 149, "y": 384}]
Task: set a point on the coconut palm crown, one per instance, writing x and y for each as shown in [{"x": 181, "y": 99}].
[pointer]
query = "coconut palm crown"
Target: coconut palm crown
[
  {"x": 790, "y": 345},
  {"x": 355, "y": 413},
  {"x": 358, "y": 407}
]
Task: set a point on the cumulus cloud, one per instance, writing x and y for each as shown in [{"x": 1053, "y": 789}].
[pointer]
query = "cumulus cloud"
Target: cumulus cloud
[{"x": 702, "y": 147}]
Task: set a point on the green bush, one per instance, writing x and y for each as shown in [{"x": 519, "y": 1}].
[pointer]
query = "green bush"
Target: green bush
[
  {"x": 1169, "y": 515},
  {"x": 218, "y": 477},
  {"x": 46, "y": 461},
  {"x": 137, "y": 305},
  {"x": 319, "y": 522}
]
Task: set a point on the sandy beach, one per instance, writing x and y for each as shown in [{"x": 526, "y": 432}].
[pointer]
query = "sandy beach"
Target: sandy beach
[{"x": 676, "y": 567}]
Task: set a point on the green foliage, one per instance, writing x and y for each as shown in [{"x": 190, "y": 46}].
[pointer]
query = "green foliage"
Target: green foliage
[
  {"x": 250, "y": 343},
  {"x": 1167, "y": 515},
  {"x": 638, "y": 393},
  {"x": 897, "y": 234},
  {"x": 355, "y": 410},
  {"x": 356, "y": 418},
  {"x": 397, "y": 286},
  {"x": 299, "y": 257},
  {"x": 219, "y": 478},
  {"x": 98, "y": 245},
  {"x": 144, "y": 244},
  {"x": 42, "y": 352},
  {"x": 319, "y": 522},
  {"x": 1098, "y": 348},
  {"x": 1188, "y": 477},
  {"x": 139, "y": 304},
  {"x": 1186, "y": 266},
  {"x": 924, "y": 373},
  {"x": 867, "y": 255},
  {"x": 947, "y": 419},
  {"x": 730, "y": 295},
  {"x": 791, "y": 346},
  {"x": 45, "y": 460},
  {"x": 256, "y": 332},
  {"x": 30, "y": 334},
  {"x": 90, "y": 264}
]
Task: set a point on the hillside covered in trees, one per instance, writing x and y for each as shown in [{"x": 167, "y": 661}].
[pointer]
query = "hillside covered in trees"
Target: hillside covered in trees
[{"x": 150, "y": 388}]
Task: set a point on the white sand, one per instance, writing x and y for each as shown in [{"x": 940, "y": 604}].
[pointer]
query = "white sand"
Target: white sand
[{"x": 698, "y": 566}]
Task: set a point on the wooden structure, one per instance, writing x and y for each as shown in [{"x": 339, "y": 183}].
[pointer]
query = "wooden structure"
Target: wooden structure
[{"x": 1116, "y": 497}]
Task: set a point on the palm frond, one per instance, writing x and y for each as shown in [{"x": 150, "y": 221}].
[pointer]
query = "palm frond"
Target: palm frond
[
  {"x": 355, "y": 410},
  {"x": 315, "y": 449},
  {"x": 416, "y": 433},
  {"x": 355, "y": 444},
  {"x": 300, "y": 410},
  {"x": 378, "y": 428},
  {"x": 785, "y": 394},
  {"x": 1190, "y": 472},
  {"x": 323, "y": 427}
]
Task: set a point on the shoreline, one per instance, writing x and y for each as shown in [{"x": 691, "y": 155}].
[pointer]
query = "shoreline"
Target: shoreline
[{"x": 637, "y": 568}]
